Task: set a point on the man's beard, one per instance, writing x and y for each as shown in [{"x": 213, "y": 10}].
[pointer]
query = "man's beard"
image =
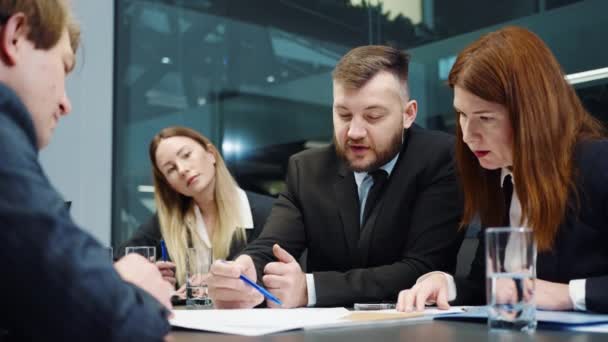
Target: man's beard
[{"x": 382, "y": 157}]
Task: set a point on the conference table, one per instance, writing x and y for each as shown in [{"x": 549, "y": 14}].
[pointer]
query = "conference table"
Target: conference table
[{"x": 428, "y": 331}]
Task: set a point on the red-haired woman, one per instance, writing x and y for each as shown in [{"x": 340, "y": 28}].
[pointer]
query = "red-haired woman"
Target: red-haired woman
[{"x": 519, "y": 121}]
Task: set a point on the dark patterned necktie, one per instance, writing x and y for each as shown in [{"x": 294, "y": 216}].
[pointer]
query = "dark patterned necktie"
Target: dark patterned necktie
[{"x": 380, "y": 176}]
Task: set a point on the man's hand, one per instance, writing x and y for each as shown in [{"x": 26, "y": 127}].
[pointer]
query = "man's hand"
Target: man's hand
[
  {"x": 135, "y": 269},
  {"x": 167, "y": 270},
  {"x": 285, "y": 280},
  {"x": 227, "y": 290},
  {"x": 552, "y": 296}
]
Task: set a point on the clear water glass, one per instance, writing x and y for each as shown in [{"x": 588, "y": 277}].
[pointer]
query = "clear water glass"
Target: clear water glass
[
  {"x": 510, "y": 278},
  {"x": 148, "y": 252},
  {"x": 198, "y": 263}
]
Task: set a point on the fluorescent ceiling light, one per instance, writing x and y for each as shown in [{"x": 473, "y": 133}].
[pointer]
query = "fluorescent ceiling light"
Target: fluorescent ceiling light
[
  {"x": 145, "y": 188},
  {"x": 587, "y": 76}
]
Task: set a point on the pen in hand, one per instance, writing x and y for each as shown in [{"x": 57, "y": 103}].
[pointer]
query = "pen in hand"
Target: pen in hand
[
  {"x": 163, "y": 250},
  {"x": 259, "y": 288}
]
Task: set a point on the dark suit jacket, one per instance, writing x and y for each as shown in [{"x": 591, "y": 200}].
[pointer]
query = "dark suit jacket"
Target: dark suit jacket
[
  {"x": 57, "y": 282},
  {"x": 580, "y": 246},
  {"x": 413, "y": 228},
  {"x": 149, "y": 233}
]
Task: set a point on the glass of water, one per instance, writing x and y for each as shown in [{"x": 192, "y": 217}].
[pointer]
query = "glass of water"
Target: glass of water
[
  {"x": 198, "y": 262},
  {"x": 148, "y": 252},
  {"x": 510, "y": 278}
]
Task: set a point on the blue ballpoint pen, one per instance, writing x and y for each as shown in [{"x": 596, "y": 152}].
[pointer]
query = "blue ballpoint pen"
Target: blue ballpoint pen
[
  {"x": 163, "y": 250},
  {"x": 261, "y": 290}
]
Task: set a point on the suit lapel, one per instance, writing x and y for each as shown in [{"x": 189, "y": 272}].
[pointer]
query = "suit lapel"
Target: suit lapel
[{"x": 347, "y": 198}]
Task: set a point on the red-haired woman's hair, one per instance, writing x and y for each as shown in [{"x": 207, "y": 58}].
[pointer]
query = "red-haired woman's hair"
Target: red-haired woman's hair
[{"x": 513, "y": 67}]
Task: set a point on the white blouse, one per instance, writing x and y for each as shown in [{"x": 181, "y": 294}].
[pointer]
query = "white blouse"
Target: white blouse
[{"x": 244, "y": 210}]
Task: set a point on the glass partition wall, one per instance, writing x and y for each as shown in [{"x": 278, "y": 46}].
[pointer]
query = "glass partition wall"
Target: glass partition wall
[{"x": 255, "y": 76}]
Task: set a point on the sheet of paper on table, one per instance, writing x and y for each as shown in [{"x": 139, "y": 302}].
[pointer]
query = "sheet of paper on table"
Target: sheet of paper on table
[{"x": 256, "y": 322}]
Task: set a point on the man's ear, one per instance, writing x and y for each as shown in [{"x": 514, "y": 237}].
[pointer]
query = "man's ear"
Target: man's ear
[
  {"x": 409, "y": 113},
  {"x": 14, "y": 30}
]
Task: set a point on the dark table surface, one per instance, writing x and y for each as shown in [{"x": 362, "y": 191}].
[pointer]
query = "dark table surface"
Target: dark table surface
[{"x": 398, "y": 331}]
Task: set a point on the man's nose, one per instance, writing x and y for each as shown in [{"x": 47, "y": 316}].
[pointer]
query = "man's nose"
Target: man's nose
[
  {"x": 65, "y": 105},
  {"x": 357, "y": 129}
]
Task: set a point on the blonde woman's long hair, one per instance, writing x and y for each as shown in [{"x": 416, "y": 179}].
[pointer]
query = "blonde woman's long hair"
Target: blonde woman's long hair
[{"x": 176, "y": 211}]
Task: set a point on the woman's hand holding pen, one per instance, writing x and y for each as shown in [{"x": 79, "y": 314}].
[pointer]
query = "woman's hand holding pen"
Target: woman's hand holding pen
[
  {"x": 227, "y": 290},
  {"x": 433, "y": 289}
]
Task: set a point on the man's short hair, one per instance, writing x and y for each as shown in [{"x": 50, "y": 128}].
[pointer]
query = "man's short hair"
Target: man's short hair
[
  {"x": 46, "y": 20},
  {"x": 361, "y": 64}
]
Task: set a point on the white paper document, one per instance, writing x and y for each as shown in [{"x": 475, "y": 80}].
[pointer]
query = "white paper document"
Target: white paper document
[{"x": 256, "y": 322}]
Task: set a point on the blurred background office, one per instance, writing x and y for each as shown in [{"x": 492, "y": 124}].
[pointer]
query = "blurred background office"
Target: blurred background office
[{"x": 255, "y": 77}]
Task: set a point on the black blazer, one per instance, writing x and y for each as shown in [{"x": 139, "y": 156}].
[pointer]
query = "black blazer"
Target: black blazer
[
  {"x": 149, "y": 233},
  {"x": 413, "y": 228},
  {"x": 580, "y": 246}
]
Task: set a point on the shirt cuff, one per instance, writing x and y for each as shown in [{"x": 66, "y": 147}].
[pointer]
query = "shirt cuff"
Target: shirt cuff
[
  {"x": 310, "y": 289},
  {"x": 576, "y": 289},
  {"x": 449, "y": 279}
]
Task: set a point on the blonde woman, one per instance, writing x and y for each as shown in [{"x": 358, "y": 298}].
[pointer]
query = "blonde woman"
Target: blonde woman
[{"x": 198, "y": 203}]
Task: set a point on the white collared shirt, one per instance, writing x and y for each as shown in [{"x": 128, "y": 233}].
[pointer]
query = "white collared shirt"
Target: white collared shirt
[
  {"x": 576, "y": 287},
  {"x": 245, "y": 210},
  {"x": 364, "y": 184}
]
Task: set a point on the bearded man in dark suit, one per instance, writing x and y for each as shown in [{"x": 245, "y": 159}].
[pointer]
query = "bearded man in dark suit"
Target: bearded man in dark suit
[{"x": 375, "y": 210}]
